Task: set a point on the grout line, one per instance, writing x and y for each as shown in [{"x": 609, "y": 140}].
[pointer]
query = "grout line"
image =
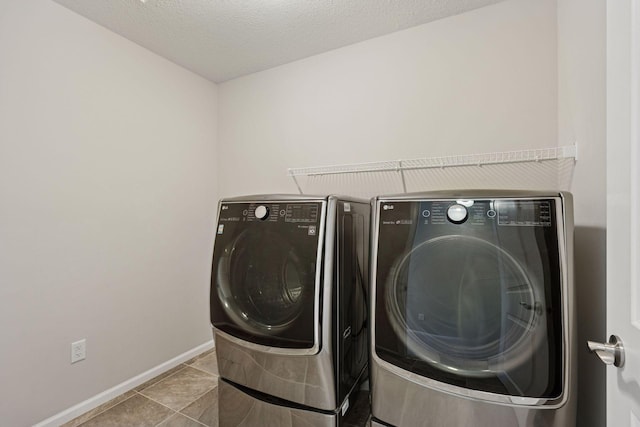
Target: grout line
[
  {"x": 185, "y": 406},
  {"x": 169, "y": 416},
  {"x": 106, "y": 409},
  {"x": 140, "y": 392},
  {"x": 161, "y": 404},
  {"x": 193, "y": 419},
  {"x": 205, "y": 371},
  {"x": 175, "y": 410},
  {"x": 153, "y": 400},
  {"x": 164, "y": 378}
]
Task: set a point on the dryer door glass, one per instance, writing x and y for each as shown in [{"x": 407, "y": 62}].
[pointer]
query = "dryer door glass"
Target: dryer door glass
[
  {"x": 473, "y": 304},
  {"x": 264, "y": 273}
]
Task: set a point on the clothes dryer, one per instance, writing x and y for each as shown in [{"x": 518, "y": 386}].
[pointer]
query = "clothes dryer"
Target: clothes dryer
[
  {"x": 288, "y": 308},
  {"x": 472, "y": 310}
]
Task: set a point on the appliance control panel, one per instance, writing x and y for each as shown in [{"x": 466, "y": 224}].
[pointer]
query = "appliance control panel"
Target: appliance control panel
[
  {"x": 524, "y": 212},
  {"x": 294, "y": 213},
  {"x": 501, "y": 212}
]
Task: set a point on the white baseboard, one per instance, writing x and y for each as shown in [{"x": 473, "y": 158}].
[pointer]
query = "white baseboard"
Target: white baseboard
[{"x": 97, "y": 400}]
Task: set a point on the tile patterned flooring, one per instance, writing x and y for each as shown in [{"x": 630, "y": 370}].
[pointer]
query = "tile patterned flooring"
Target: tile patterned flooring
[{"x": 185, "y": 396}]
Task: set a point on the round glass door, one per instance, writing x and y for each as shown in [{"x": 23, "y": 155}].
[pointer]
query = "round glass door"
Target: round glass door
[
  {"x": 464, "y": 305},
  {"x": 262, "y": 282}
]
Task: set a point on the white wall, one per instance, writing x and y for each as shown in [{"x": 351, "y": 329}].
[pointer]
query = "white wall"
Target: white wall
[
  {"x": 107, "y": 202},
  {"x": 518, "y": 74},
  {"x": 482, "y": 81},
  {"x": 582, "y": 117}
]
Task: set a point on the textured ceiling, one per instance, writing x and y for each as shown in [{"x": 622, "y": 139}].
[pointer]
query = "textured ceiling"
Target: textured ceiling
[{"x": 224, "y": 39}]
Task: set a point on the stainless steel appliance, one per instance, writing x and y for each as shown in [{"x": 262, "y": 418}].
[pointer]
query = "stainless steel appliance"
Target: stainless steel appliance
[
  {"x": 288, "y": 308},
  {"x": 472, "y": 310}
]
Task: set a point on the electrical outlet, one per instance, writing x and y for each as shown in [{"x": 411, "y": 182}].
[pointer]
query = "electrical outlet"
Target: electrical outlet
[{"x": 78, "y": 350}]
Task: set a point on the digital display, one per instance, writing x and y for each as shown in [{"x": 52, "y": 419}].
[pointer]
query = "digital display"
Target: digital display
[
  {"x": 524, "y": 212},
  {"x": 302, "y": 212}
]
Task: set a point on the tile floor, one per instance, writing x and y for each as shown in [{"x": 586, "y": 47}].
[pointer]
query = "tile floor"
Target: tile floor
[{"x": 185, "y": 396}]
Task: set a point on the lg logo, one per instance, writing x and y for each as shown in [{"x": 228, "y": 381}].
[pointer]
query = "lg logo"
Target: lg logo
[{"x": 387, "y": 207}]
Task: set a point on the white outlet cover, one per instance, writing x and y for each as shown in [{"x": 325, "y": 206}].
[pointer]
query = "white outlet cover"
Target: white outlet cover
[{"x": 78, "y": 350}]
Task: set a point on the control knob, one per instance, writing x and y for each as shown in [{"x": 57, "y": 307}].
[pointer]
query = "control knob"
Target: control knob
[
  {"x": 457, "y": 214},
  {"x": 262, "y": 212}
]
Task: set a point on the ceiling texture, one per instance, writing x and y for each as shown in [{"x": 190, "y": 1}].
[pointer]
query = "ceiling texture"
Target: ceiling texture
[{"x": 224, "y": 39}]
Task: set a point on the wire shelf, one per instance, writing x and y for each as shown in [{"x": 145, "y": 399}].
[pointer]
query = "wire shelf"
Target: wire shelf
[{"x": 549, "y": 168}]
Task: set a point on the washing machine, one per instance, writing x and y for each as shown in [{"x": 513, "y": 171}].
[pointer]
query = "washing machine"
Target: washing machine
[
  {"x": 472, "y": 310},
  {"x": 288, "y": 308}
]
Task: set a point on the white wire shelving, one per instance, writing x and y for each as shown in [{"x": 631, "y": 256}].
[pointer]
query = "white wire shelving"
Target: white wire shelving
[{"x": 400, "y": 168}]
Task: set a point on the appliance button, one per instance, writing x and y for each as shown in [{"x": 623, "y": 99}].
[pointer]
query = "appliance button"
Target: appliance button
[
  {"x": 262, "y": 212},
  {"x": 491, "y": 213},
  {"x": 457, "y": 214},
  {"x": 426, "y": 213}
]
